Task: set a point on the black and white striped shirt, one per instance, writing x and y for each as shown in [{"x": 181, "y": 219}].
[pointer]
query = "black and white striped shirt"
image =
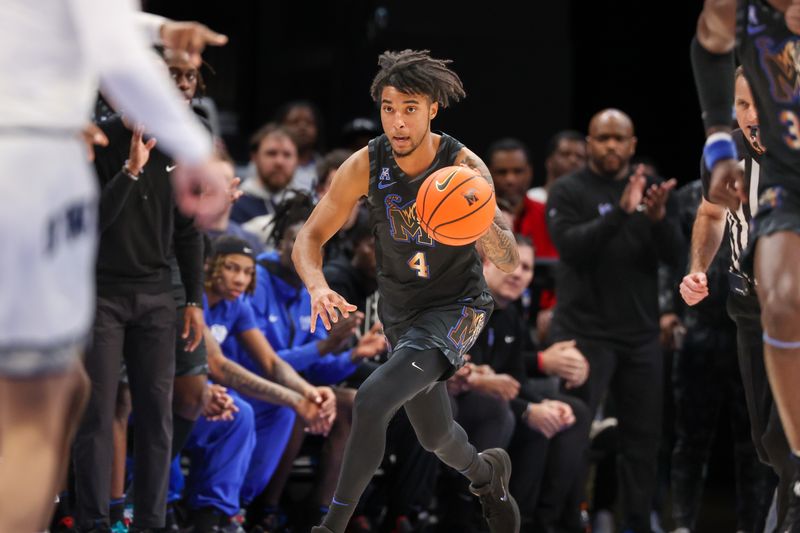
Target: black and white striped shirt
[{"x": 738, "y": 222}]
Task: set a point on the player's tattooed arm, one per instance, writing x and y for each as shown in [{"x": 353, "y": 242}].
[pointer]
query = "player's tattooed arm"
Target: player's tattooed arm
[
  {"x": 498, "y": 243},
  {"x": 287, "y": 376},
  {"x": 236, "y": 377},
  {"x": 475, "y": 163},
  {"x": 274, "y": 367},
  {"x": 232, "y": 375}
]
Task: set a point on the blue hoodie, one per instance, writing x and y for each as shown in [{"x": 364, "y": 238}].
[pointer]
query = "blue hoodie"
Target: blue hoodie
[
  {"x": 283, "y": 313},
  {"x": 227, "y": 319}
]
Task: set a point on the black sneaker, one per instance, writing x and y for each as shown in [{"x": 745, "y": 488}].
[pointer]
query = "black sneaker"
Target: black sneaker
[
  {"x": 205, "y": 520},
  {"x": 274, "y": 521},
  {"x": 499, "y": 507},
  {"x": 170, "y": 522}
]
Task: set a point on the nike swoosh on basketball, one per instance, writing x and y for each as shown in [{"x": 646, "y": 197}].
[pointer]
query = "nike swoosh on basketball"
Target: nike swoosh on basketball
[
  {"x": 382, "y": 185},
  {"x": 170, "y": 168},
  {"x": 415, "y": 365},
  {"x": 442, "y": 185}
]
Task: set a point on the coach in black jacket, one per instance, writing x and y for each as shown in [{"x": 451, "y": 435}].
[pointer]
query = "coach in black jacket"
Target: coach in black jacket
[
  {"x": 611, "y": 227},
  {"x": 140, "y": 228}
]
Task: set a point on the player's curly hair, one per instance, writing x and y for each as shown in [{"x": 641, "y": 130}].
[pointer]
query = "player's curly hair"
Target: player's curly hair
[
  {"x": 416, "y": 72},
  {"x": 292, "y": 210}
]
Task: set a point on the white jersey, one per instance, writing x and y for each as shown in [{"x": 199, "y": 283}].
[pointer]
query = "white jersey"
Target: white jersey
[{"x": 53, "y": 56}]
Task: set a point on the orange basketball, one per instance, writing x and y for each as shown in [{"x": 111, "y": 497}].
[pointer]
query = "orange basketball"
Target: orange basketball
[{"x": 455, "y": 205}]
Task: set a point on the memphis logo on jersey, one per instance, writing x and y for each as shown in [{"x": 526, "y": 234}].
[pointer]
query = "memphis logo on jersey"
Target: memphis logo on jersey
[
  {"x": 779, "y": 62},
  {"x": 466, "y": 331},
  {"x": 403, "y": 222}
]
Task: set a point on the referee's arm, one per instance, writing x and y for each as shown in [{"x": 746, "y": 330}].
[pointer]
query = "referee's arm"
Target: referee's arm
[{"x": 707, "y": 233}]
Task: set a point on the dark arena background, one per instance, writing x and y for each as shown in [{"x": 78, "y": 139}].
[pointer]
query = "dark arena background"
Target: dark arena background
[{"x": 529, "y": 71}]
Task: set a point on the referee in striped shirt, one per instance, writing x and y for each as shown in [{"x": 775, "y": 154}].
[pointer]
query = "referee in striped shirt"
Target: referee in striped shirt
[{"x": 712, "y": 223}]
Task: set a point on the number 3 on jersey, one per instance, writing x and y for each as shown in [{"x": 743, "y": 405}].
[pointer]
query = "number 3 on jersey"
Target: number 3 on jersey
[
  {"x": 419, "y": 263},
  {"x": 789, "y": 119}
]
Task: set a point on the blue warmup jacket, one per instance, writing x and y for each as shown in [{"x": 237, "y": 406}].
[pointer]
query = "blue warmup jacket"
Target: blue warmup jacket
[{"x": 283, "y": 314}]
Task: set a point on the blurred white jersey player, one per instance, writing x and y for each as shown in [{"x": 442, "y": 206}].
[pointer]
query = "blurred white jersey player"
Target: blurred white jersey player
[{"x": 53, "y": 56}]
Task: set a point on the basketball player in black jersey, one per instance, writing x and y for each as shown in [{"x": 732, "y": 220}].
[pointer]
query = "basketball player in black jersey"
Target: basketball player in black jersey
[
  {"x": 765, "y": 33},
  {"x": 433, "y": 298}
]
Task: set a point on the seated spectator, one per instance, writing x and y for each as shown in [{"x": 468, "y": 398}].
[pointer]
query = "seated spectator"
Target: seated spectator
[
  {"x": 357, "y": 133},
  {"x": 326, "y": 168},
  {"x": 550, "y": 435},
  {"x": 341, "y": 244},
  {"x": 273, "y": 152},
  {"x": 566, "y": 153},
  {"x": 510, "y": 164},
  {"x": 356, "y": 278},
  {"x": 303, "y": 119},
  {"x": 224, "y": 225}
]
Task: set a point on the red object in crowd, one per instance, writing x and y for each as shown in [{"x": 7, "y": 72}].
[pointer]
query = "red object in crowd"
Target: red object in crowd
[{"x": 532, "y": 223}]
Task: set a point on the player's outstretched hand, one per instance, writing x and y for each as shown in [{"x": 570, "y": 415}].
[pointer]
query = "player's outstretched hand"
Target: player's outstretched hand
[
  {"x": 326, "y": 305},
  {"x": 190, "y": 38},
  {"x": 727, "y": 184}
]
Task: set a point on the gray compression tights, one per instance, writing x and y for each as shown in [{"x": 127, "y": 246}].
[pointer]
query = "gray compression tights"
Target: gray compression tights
[{"x": 408, "y": 379}]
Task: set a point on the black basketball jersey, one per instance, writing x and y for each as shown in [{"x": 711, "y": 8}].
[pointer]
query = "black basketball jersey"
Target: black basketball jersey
[
  {"x": 415, "y": 272},
  {"x": 770, "y": 54}
]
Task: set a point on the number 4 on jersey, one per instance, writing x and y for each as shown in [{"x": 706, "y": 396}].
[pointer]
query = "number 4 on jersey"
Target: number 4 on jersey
[{"x": 419, "y": 263}]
